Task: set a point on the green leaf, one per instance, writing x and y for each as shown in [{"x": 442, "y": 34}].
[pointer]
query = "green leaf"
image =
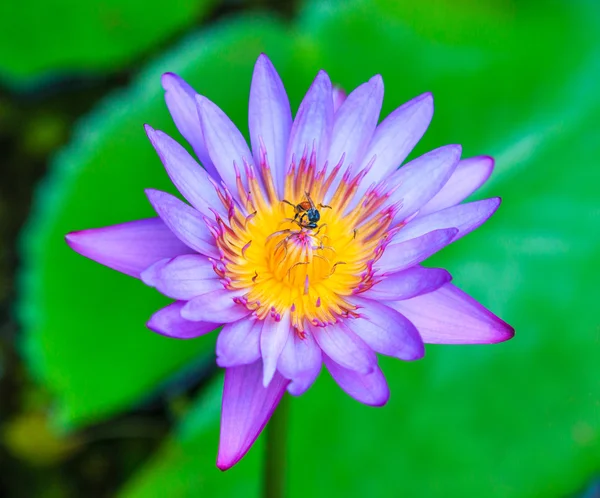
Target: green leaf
[
  {"x": 84, "y": 325},
  {"x": 48, "y": 38}
]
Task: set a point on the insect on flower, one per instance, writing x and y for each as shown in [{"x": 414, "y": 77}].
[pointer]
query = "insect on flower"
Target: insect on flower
[{"x": 336, "y": 282}]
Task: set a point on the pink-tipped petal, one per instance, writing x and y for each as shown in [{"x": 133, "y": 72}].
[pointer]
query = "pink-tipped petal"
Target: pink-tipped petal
[
  {"x": 183, "y": 277},
  {"x": 408, "y": 283},
  {"x": 239, "y": 343},
  {"x": 469, "y": 175},
  {"x": 269, "y": 118},
  {"x": 345, "y": 348},
  {"x": 181, "y": 101},
  {"x": 450, "y": 316},
  {"x": 398, "y": 257},
  {"x": 224, "y": 143},
  {"x": 386, "y": 331},
  {"x": 368, "y": 388},
  {"x": 339, "y": 96},
  {"x": 247, "y": 407},
  {"x": 184, "y": 221},
  {"x": 273, "y": 337},
  {"x": 314, "y": 122},
  {"x": 128, "y": 247},
  {"x": 168, "y": 322},
  {"x": 300, "y": 361},
  {"x": 217, "y": 306},
  {"x": 187, "y": 175}
]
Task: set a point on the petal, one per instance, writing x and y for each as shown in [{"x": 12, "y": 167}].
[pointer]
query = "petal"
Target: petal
[
  {"x": 345, "y": 348},
  {"x": 339, "y": 95},
  {"x": 224, "y": 142},
  {"x": 313, "y": 124},
  {"x": 168, "y": 321},
  {"x": 184, "y": 221},
  {"x": 129, "y": 247},
  {"x": 183, "y": 277},
  {"x": 396, "y": 136},
  {"x": 398, "y": 257},
  {"x": 269, "y": 118},
  {"x": 450, "y": 316},
  {"x": 217, "y": 306},
  {"x": 247, "y": 406},
  {"x": 185, "y": 173},
  {"x": 273, "y": 337},
  {"x": 300, "y": 361},
  {"x": 370, "y": 389},
  {"x": 386, "y": 331},
  {"x": 419, "y": 180},
  {"x": 465, "y": 217},
  {"x": 408, "y": 283},
  {"x": 239, "y": 343},
  {"x": 181, "y": 101},
  {"x": 469, "y": 175}
]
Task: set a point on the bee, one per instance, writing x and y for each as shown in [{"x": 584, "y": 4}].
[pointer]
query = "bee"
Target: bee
[{"x": 306, "y": 214}]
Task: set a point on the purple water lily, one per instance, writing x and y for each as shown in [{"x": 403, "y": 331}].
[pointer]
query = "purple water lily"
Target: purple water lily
[{"x": 307, "y": 246}]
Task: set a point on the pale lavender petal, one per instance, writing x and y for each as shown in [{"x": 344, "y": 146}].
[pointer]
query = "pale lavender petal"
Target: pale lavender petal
[
  {"x": 274, "y": 335},
  {"x": 300, "y": 361},
  {"x": 355, "y": 123},
  {"x": 469, "y": 175},
  {"x": 189, "y": 178},
  {"x": 239, "y": 343},
  {"x": 168, "y": 321},
  {"x": 465, "y": 217},
  {"x": 396, "y": 136},
  {"x": 450, "y": 316},
  {"x": 419, "y": 180},
  {"x": 247, "y": 407},
  {"x": 345, "y": 348},
  {"x": 184, "y": 221},
  {"x": 217, "y": 306},
  {"x": 314, "y": 121},
  {"x": 129, "y": 247},
  {"x": 224, "y": 142},
  {"x": 398, "y": 257},
  {"x": 269, "y": 117},
  {"x": 408, "y": 283},
  {"x": 368, "y": 388},
  {"x": 181, "y": 101},
  {"x": 339, "y": 95},
  {"x": 386, "y": 331},
  {"x": 183, "y": 277}
]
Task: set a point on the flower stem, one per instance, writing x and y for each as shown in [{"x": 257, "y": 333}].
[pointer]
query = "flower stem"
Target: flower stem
[{"x": 276, "y": 451}]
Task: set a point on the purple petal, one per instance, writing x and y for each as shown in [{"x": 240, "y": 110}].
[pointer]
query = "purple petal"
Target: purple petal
[
  {"x": 386, "y": 331},
  {"x": 129, "y": 247},
  {"x": 184, "y": 221},
  {"x": 183, "y": 277},
  {"x": 168, "y": 321},
  {"x": 370, "y": 388},
  {"x": 224, "y": 142},
  {"x": 408, "y": 283},
  {"x": 247, "y": 407},
  {"x": 396, "y": 136},
  {"x": 469, "y": 175},
  {"x": 300, "y": 361},
  {"x": 314, "y": 121},
  {"x": 465, "y": 217},
  {"x": 450, "y": 316},
  {"x": 217, "y": 306},
  {"x": 273, "y": 337},
  {"x": 185, "y": 173},
  {"x": 398, "y": 257},
  {"x": 269, "y": 117},
  {"x": 239, "y": 343},
  {"x": 419, "y": 180},
  {"x": 181, "y": 101},
  {"x": 345, "y": 348},
  {"x": 339, "y": 96}
]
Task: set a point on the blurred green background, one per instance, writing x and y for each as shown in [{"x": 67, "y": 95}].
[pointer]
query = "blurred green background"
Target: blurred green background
[{"x": 93, "y": 404}]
